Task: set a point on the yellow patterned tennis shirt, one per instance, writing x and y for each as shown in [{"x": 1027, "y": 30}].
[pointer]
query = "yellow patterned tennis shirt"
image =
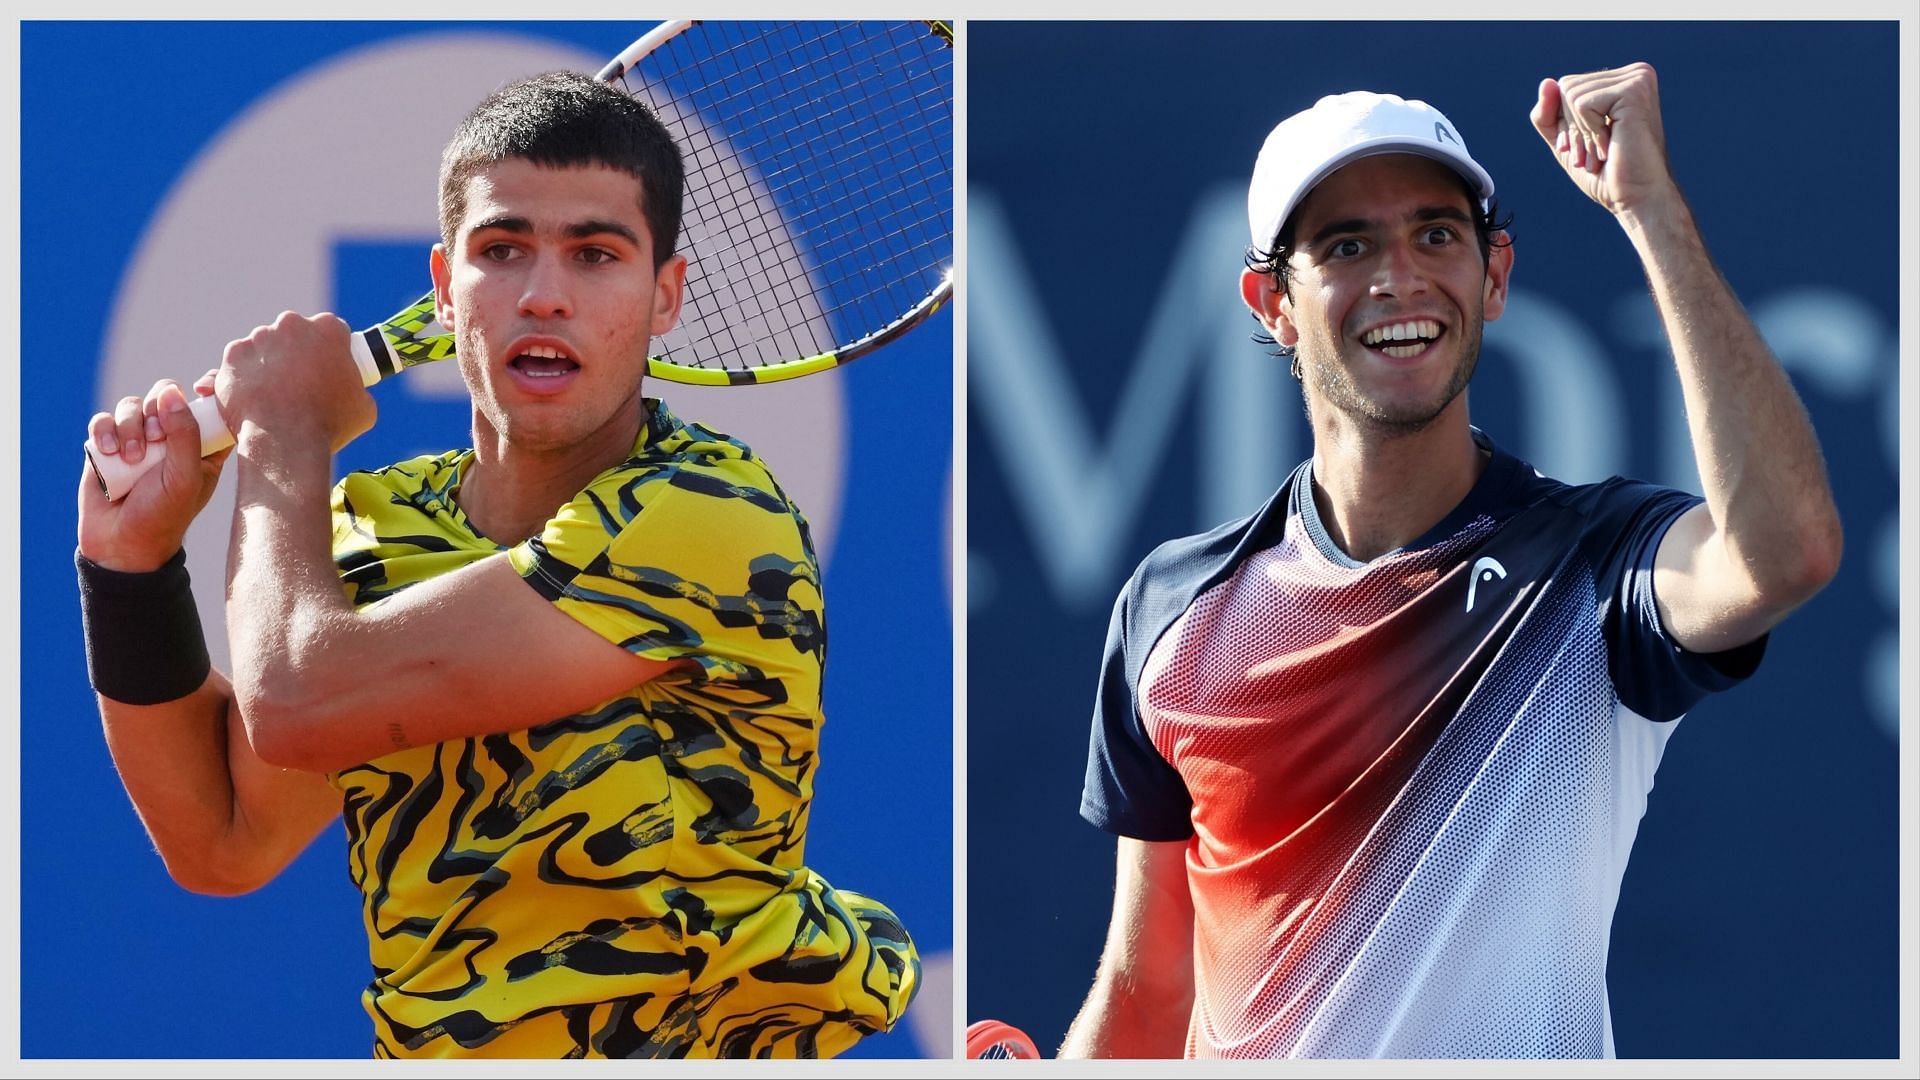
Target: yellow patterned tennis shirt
[{"x": 626, "y": 882}]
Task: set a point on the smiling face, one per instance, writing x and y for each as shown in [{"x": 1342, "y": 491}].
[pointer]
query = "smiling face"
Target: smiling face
[
  {"x": 1388, "y": 293},
  {"x": 551, "y": 293}
]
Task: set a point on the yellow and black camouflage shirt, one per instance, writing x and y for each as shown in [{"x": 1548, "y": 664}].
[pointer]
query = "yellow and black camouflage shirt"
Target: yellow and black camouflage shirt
[{"x": 628, "y": 881}]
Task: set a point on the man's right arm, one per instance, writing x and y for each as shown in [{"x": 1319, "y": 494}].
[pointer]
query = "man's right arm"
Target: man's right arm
[
  {"x": 1143, "y": 994},
  {"x": 223, "y": 821}
]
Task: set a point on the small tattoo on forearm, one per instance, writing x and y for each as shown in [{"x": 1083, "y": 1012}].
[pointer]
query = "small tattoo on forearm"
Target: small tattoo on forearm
[{"x": 399, "y": 736}]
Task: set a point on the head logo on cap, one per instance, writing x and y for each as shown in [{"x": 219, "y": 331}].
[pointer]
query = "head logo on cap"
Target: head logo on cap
[{"x": 1310, "y": 146}]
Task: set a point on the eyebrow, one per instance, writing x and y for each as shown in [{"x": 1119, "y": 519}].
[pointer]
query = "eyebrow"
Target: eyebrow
[
  {"x": 1440, "y": 212},
  {"x": 579, "y": 230}
]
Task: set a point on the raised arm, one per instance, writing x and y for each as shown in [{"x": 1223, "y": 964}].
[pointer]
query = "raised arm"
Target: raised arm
[
  {"x": 1143, "y": 993},
  {"x": 222, "y": 820},
  {"x": 324, "y": 686},
  {"x": 1768, "y": 536}
]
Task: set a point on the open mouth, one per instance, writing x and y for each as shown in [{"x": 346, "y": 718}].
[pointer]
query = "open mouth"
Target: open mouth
[
  {"x": 543, "y": 362},
  {"x": 1402, "y": 340}
]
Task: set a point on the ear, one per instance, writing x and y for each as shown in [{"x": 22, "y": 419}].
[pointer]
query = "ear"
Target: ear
[
  {"x": 1270, "y": 305},
  {"x": 442, "y": 286},
  {"x": 669, "y": 289},
  {"x": 1499, "y": 274}
]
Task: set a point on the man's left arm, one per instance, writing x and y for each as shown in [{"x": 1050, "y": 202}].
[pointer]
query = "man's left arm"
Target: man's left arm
[{"x": 1768, "y": 536}]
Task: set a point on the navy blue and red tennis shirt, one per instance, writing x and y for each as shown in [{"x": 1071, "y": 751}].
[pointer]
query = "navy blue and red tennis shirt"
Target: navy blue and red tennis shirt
[{"x": 1408, "y": 787}]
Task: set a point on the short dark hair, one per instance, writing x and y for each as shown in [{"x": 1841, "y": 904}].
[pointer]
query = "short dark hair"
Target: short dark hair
[
  {"x": 564, "y": 119},
  {"x": 1273, "y": 263}
]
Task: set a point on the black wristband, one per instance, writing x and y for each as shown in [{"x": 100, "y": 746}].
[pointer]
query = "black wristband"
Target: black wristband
[{"x": 144, "y": 644}]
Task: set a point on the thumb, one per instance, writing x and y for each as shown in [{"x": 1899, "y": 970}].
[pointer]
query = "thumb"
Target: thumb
[
  {"x": 181, "y": 468},
  {"x": 1546, "y": 112}
]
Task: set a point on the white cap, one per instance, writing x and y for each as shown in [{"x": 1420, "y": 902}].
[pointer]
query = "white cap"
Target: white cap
[{"x": 1310, "y": 146}]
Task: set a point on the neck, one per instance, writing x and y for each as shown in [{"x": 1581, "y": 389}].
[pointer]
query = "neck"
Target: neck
[
  {"x": 1380, "y": 491},
  {"x": 511, "y": 491}
]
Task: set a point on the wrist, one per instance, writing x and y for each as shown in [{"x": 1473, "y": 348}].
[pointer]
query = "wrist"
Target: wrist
[
  {"x": 143, "y": 638},
  {"x": 278, "y": 436},
  {"x": 1652, "y": 222},
  {"x": 123, "y": 559},
  {"x": 294, "y": 454}
]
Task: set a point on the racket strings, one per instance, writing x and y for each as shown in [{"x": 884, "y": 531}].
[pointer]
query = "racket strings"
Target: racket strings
[
  {"x": 819, "y": 195},
  {"x": 860, "y": 218},
  {"x": 895, "y": 162}
]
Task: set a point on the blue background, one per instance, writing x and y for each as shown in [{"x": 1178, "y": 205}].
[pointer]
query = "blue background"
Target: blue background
[
  {"x": 1758, "y": 914},
  {"x": 116, "y": 961}
]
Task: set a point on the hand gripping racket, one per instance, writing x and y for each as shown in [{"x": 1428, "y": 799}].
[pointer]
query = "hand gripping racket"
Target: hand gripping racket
[
  {"x": 818, "y": 218},
  {"x": 992, "y": 1039}
]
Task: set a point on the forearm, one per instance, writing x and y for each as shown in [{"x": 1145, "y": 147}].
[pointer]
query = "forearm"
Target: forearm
[
  {"x": 1143, "y": 994},
  {"x": 1760, "y": 464},
  {"x": 284, "y": 602},
  {"x": 163, "y": 707},
  {"x": 176, "y": 761},
  {"x": 1123, "y": 1018},
  {"x": 172, "y": 760}
]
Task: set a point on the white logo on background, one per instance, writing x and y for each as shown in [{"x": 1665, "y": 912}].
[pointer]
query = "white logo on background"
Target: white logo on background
[{"x": 1485, "y": 568}]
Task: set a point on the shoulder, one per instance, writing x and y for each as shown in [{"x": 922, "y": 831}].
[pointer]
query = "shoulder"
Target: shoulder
[
  {"x": 1187, "y": 563},
  {"x": 689, "y": 498},
  {"x": 1616, "y": 503},
  {"x": 693, "y": 467},
  {"x": 1184, "y": 560},
  {"x": 428, "y": 477},
  {"x": 1599, "y": 495},
  {"x": 1603, "y": 505},
  {"x": 1177, "y": 571},
  {"x": 406, "y": 498},
  {"x": 1613, "y": 527}
]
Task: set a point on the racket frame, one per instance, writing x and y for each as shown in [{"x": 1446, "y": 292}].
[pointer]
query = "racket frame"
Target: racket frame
[{"x": 985, "y": 1036}]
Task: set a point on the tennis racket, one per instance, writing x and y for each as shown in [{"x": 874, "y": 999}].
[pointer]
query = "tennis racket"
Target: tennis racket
[
  {"x": 818, "y": 216},
  {"x": 992, "y": 1039}
]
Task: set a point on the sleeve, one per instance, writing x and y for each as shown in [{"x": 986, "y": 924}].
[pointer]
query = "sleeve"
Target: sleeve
[
  {"x": 676, "y": 565},
  {"x": 1130, "y": 789},
  {"x": 1651, "y": 673}
]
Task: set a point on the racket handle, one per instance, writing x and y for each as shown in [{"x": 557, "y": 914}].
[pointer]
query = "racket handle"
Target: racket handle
[{"x": 117, "y": 476}]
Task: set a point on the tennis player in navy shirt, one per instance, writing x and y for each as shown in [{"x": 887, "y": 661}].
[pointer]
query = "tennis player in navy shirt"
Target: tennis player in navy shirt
[{"x": 1376, "y": 755}]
